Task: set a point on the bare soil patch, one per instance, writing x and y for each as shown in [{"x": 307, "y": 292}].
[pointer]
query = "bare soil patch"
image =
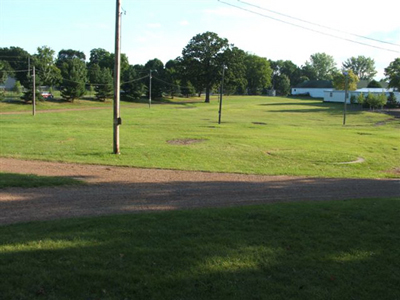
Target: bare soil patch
[
  {"x": 185, "y": 141},
  {"x": 122, "y": 190},
  {"x": 259, "y": 123}
]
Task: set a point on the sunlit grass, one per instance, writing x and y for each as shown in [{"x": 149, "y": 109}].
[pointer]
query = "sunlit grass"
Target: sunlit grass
[{"x": 258, "y": 135}]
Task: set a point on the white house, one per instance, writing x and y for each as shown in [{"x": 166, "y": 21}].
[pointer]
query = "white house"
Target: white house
[
  {"x": 312, "y": 88},
  {"x": 338, "y": 96}
]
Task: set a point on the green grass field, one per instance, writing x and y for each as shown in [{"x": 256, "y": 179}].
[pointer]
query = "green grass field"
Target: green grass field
[
  {"x": 258, "y": 135},
  {"x": 314, "y": 250}
]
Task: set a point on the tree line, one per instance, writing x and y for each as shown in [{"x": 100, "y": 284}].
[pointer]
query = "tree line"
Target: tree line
[{"x": 198, "y": 70}]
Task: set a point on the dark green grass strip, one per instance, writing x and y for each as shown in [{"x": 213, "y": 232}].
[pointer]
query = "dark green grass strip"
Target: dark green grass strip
[
  {"x": 312, "y": 250},
  {"x": 31, "y": 181}
]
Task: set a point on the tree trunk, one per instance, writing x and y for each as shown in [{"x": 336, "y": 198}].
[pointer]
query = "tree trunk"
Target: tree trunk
[{"x": 207, "y": 95}]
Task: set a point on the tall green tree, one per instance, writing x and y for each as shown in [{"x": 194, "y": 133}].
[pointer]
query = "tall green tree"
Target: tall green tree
[
  {"x": 392, "y": 73},
  {"x": 282, "y": 85},
  {"x": 172, "y": 77},
  {"x": 18, "y": 59},
  {"x": 45, "y": 63},
  {"x": 203, "y": 56},
  {"x": 363, "y": 67},
  {"x": 133, "y": 88},
  {"x": 258, "y": 74},
  {"x": 74, "y": 73},
  {"x": 288, "y": 68},
  {"x": 323, "y": 65},
  {"x": 104, "y": 87},
  {"x": 339, "y": 81},
  {"x": 158, "y": 85},
  {"x": 5, "y": 71},
  {"x": 235, "y": 81}
]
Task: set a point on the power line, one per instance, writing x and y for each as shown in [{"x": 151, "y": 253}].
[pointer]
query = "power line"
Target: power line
[
  {"x": 307, "y": 28},
  {"x": 319, "y": 25}
]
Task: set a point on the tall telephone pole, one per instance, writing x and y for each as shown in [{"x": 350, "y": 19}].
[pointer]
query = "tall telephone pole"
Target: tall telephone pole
[
  {"x": 117, "y": 71},
  {"x": 150, "y": 90},
  {"x": 34, "y": 92}
]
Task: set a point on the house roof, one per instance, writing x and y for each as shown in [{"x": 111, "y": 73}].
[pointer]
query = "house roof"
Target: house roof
[{"x": 317, "y": 84}]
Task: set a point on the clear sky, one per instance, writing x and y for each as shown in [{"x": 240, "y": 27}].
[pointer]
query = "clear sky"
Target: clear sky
[{"x": 162, "y": 28}]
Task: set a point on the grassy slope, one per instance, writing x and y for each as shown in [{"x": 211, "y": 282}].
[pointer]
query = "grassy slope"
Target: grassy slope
[
  {"x": 316, "y": 250},
  {"x": 301, "y": 137}
]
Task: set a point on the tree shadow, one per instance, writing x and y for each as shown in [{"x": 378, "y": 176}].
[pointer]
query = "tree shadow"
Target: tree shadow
[{"x": 296, "y": 251}]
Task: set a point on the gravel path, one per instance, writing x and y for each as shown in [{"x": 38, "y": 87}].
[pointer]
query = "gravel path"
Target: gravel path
[{"x": 115, "y": 190}]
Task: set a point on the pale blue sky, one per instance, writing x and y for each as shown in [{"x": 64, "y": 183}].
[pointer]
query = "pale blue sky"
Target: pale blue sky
[{"x": 161, "y": 28}]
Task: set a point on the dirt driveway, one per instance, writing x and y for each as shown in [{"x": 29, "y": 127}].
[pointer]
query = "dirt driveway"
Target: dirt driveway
[{"x": 116, "y": 190}]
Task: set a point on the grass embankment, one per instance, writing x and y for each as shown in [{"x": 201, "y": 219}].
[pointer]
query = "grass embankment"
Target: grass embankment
[
  {"x": 258, "y": 135},
  {"x": 315, "y": 250},
  {"x": 32, "y": 181}
]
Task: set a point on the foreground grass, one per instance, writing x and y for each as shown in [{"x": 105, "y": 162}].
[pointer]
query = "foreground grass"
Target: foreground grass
[
  {"x": 258, "y": 135},
  {"x": 31, "y": 181},
  {"x": 328, "y": 250}
]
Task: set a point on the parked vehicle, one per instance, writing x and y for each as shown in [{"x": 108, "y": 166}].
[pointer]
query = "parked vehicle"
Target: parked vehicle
[{"x": 47, "y": 95}]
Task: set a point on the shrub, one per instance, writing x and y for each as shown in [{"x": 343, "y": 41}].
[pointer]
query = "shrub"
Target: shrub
[
  {"x": 361, "y": 99},
  {"x": 392, "y": 101}
]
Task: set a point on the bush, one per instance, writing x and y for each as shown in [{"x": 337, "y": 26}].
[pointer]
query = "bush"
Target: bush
[
  {"x": 392, "y": 101},
  {"x": 353, "y": 99}
]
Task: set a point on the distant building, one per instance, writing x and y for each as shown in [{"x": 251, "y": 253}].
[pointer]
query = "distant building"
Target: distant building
[
  {"x": 312, "y": 88},
  {"x": 338, "y": 96},
  {"x": 8, "y": 85}
]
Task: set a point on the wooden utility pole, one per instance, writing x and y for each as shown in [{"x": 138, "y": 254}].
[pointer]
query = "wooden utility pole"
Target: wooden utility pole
[
  {"x": 220, "y": 97},
  {"x": 34, "y": 92},
  {"x": 346, "y": 74},
  {"x": 150, "y": 90},
  {"x": 117, "y": 70}
]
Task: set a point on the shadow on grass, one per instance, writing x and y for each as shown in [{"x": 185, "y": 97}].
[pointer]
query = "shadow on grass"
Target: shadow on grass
[
  {"x": 29, "y": 181},
  {"x": 332, "y": 250}
]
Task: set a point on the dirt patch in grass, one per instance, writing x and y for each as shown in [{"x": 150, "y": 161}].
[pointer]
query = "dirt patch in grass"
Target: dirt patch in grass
[
  {"x": 395, "y": 171},
  {"x": 259, "y": 123},
  {"x": 185, "y": 141},
  {"x": 384, "y": 122},
  {"x": 359, "y": 160}
]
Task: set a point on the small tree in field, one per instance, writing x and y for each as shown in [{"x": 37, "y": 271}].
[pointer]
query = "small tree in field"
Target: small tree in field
[
  {"x": 360, "y": 99},
  {"x": 382, "y": 100},
  {"x": 372, "y": 101}
]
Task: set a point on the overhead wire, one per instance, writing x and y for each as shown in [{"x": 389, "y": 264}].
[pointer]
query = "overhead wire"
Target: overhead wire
[
  {"x": 307, "y": 28},
  {"x": 316, "y": 24}
]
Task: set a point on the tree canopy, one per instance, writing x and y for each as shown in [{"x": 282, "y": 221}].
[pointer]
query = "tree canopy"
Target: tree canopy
[
  {"x": 203, "y": 56},
  {"x": 322, "y": 65},
  {"x": 392, "y": 73},
  {"x": 363, "y": 67}
]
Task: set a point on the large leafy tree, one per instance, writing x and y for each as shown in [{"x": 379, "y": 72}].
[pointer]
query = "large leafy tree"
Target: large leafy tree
[
  {"x": 323, "y": 65},
  {"x": 258, "y": 74},
  {"x": 172, "y": 77},
  {"x": 17, "y": 59},
  {"x": 105, "y": 59},
  {"x": 5, "y": 71},
  {"x": 235, "y": 81},
  {"x": 104, "y": 87},
  {"x": 363, "y": 67},
  {"x": 132, "y": 87},
  {"x": 74, "y": 76},
  {"x": 158, "y": 73},
  {"x": 203, "y": 57},
  {"x": 288, "y": 68},
  {"x": 339, "y": 81},
  {"x": 392, "y": 73},
  {"x": 45, "y": 63},
  {"x": 282, "y": 85}
]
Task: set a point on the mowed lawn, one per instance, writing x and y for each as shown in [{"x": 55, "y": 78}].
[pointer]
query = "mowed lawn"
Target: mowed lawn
[
  {"x": 310, "y": 250},
  {"x": 258, "y": 135}
]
